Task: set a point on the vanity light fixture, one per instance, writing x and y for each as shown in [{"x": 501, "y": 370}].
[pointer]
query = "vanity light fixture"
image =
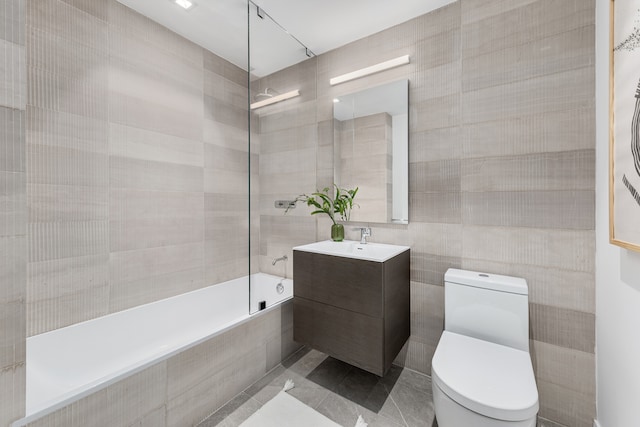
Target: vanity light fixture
[
  {"x": 336, "y": 100},
  {"x": 275, "y": 99},
  {"x": 386, "y": 65},
  {"x": 185, "y": 4}
]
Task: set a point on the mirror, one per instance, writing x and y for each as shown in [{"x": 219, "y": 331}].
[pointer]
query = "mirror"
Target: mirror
[{"x": 371, "y": 151}]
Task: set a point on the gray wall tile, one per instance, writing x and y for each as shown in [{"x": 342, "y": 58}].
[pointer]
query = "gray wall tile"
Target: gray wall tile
[
  {"x": 13, "y": 86},
  {"x": 13, "y": 211},
  {"x": 546, "y": 132},
  {"x": 435, "y": 176},
  {"x": 49, "y": 203},
  {"x": 435, "y": 113},
  {"x": 49, "y": 128},
  {"x": 63, "y": 166},
  {"x": 543, "y": 209},
  {"x": 221, "y": 67},
  {"x": 571, "y": 369},
  {"x": 97, "y": 8},
  {"x": 136, "y": 217},
  {"x": 137, "y": 111},
  {"x": 128, "y": 173},
  {"x": 506, "y": 25},
  {"x": 66, "y": 309},
  {"x": 437, "y": 144},
  {"x": 135, "y": 265},
  {"x": 12, "y": 353},
  {"x": 570, "y": 170},
  {"x": 474, "y": 11},
  {"x": 224, "y": 135},
  {"x": 552, "y": 92},
  {"x": 129, "y": 294},
  {"x": 437, "y": 207},
  {"x": 564, "y": 249},
  {"x": 439, "y": 81},
  {"x": 57, "y": 240},
  {"x": 438, "y": 49},
  {"x": 541, "y": 56},
  {"x": 220, "y": 111},
  {"x": 12, "y": 18},
  {"x": 430, "y": 269},
  {"x": 13, "y": 386},
  {"x": 565, "y": 328},
  {"x": 12, "y": 140},
  {"x": 13, "y": 219},
  {"x": 565, "y": 406},
  {"x": 141, "y": 144},
  {"x": 13, "y": 271}
]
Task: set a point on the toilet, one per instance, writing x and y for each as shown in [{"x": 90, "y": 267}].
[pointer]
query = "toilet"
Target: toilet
[{"x": 482, "y": 374}]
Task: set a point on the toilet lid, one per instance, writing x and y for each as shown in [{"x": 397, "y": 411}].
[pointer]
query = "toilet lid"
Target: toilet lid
[{"x": 490, "y": 379}]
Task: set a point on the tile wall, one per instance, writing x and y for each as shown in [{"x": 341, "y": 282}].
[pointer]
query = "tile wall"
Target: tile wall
[
  {"x": 288, "y": 139},
  {"x": 136, "y": 163},
  {"x": 501, "y": 173},
  {"x": 13, "y": 227}
]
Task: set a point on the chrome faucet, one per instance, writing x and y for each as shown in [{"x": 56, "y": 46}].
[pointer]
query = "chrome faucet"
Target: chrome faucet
[
  {"x": 364, "y": 233},
  {"x": 282, "y": 258}
]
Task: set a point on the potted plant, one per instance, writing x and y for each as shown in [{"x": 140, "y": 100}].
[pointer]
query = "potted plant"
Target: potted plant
[{"x": 341, "y": 204}]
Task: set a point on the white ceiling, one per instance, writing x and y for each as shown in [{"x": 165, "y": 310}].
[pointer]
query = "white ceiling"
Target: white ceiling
[{"x": 321, "y": 25}]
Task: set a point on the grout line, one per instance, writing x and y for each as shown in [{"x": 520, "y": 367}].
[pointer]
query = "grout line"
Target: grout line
[
  {"x": 323, "y": 399},
  {"x": 396, "y": 405},
  {"x": 254, "y": 399}
]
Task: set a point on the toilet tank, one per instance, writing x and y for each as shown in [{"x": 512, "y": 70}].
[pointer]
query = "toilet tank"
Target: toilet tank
[{"x": 486, "y": 306}]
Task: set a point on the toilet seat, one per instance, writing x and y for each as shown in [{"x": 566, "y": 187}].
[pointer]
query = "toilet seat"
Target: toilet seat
[{"x": 491, "y": 379}]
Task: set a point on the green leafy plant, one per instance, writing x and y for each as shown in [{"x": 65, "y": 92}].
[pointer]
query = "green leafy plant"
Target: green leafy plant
[{"x": 341, "y": 204}]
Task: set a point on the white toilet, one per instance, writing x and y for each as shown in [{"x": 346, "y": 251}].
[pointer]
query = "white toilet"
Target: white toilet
[{"x": 481, "y": 371}]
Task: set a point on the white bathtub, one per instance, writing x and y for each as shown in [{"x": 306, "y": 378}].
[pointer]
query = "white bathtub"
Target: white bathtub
[{"x": 67, "y": 364}]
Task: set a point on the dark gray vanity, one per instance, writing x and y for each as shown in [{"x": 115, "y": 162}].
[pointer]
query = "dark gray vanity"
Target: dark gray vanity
[{"x": 351, "y": 301}]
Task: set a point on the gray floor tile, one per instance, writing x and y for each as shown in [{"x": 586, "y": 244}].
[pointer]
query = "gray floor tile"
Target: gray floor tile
[
  {"x": 380, "y": 403},
  {"x": 305, "y": 361},
  {"x": 402, "y": 398},
  {"x": 330, "y": 373},
  {"x": 413, "y": 379},
  {"x": 416, "y": 407},
  {"x": 363, "y": 388}
]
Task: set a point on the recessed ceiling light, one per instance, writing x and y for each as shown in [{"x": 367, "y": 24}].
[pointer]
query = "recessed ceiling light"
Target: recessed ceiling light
[{"x": 185, "y": 4}]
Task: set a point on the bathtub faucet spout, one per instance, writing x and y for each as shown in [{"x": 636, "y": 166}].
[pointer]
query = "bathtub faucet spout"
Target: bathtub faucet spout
[{"x": 282, "y": 258}]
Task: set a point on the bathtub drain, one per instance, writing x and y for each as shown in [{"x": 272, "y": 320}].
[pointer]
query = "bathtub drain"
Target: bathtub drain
[{"x": 280, "y": 288}]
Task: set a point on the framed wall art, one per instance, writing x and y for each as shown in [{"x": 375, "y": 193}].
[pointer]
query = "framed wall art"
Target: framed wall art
[{"x": 624, "y": 126}]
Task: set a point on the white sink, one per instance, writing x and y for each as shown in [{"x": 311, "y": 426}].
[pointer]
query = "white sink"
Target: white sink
[{"x": 378, "y": 252}]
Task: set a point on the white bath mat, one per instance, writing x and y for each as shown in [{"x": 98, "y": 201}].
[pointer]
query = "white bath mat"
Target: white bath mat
[{"x": 287, "y": 411}]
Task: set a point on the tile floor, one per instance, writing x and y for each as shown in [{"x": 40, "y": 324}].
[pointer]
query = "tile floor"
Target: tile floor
[{"x": 339, "y": 391}]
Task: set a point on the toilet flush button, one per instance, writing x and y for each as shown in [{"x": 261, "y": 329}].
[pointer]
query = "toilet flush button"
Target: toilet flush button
[{"x": 483, "y": 275}]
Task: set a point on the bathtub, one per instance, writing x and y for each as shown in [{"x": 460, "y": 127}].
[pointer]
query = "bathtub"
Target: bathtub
[{"x": 70, "y": 363}]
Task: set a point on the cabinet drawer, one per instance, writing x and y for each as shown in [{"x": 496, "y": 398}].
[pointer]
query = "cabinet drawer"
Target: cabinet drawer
[
  {"x": 346, "y": 283},
  {"x": 351, "y": 337}
]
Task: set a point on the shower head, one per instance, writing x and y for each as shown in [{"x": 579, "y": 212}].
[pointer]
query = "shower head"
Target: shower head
[{"x": 268, "y": 93}]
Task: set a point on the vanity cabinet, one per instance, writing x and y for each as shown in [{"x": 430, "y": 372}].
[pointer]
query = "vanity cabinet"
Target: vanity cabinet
[{"x": 355, "y": 310}]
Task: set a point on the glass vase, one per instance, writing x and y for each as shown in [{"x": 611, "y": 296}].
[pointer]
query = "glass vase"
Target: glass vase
[{"x": 337, "y": 232}]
